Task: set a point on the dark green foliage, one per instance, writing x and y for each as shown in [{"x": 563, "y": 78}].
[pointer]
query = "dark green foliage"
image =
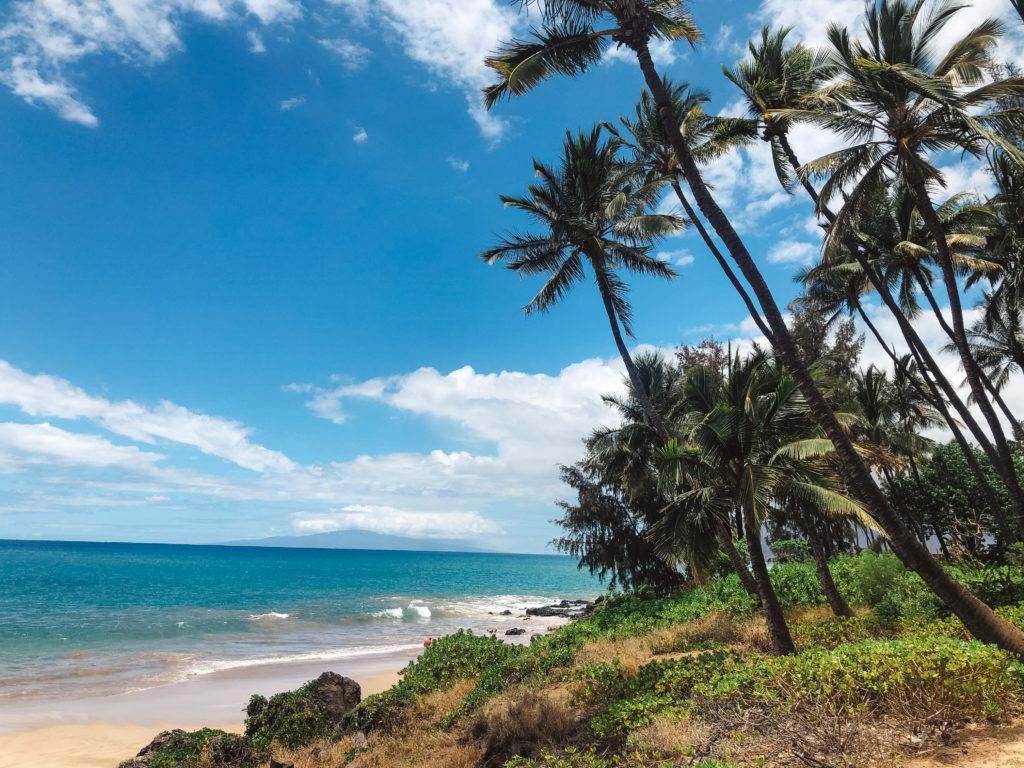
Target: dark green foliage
[
  {"x": 293, "y": 718},
  {"x": 443, "y": 663},
  {"x": 206, "y": 747},
  {"x": 790, "y": 550}
]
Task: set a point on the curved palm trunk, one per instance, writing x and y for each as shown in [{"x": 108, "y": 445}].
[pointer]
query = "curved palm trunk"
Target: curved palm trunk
[
  {"x": 725, "y": 539},
  {"x": 927, "y": 364},
  {"x": 804, "y": 181},
  {"x": 1005, "y": 465},
  {"x": 835, "y": 600},
  {"x": 778, "y": 630},
  {"x": 639, "y": 388},
  {"x": 706, "y": 236},
  {"x": 1015, "y": 425},
  {"x": 979, "y": 619}
]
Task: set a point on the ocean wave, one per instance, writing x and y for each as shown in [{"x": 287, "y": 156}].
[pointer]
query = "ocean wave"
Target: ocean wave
[
  {"x": 221, "y": 665},
  {"x": 414, "y": 610},
  {"x": 271, "y": 616}
]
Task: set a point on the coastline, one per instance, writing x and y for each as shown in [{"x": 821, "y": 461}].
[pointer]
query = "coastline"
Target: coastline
[{"x": 101, "y": 732}]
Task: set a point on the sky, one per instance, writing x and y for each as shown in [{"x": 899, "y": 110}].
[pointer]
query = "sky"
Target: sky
[{"x": 240, "y": 285}]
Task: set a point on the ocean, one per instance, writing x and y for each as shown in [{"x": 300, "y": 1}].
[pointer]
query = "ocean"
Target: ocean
[{"x": 84, "y": 620}]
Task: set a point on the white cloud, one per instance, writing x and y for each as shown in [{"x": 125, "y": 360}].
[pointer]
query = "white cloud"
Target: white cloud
[
  {"x": 352, "y": 55},
  {"x": 458, "y": 164},
  {"x": 792, "y": 252},
  {"x": 293, "y": 103},
  {"x": 41, "y": 41},
  {"x": 45, "y": 443},
  {"x": 360, "y": 135},
  {"x": 397, "y": 522},
  {"x": 50, "y": 397},
  {"x": 680, "y": 258},
  {"x": 256, "y": 44},
  {"x": 450, "y": 38},
  {"x": 665, "y": 53}
]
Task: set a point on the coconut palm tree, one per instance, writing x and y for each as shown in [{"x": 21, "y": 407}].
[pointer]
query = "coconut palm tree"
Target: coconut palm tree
[
  {"x": 774, "y": 78},
  {"x": 709, "y": 137},
  {"x": 571, "y": 39},
  {"x": 591, "y": 213},
  {"x": 898, "y": 105}
]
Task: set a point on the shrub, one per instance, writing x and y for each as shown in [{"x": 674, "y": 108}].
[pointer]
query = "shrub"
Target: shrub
[
  {"x": 523, "y": 725},
  {"x": 201, "y": 749}
]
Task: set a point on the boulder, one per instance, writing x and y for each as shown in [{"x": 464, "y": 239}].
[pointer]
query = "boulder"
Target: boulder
[
  {"x": 337, "y": 694},
  {"x": 566, "y": 609},
  {"x": 515, "y": 631}
]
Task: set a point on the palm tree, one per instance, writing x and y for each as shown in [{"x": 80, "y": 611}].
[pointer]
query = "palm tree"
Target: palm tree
[
  {"x": 757, "y": 450},
  {"x": 898, "y": 106},
  {"x": 591, "y": 214},
  {"x": 570, "y": 42},
  {"x": 708, "y": 137},
  {"x": 774, "y": 78}
]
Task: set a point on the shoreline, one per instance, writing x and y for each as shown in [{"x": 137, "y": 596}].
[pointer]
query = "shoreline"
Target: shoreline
[{"x": 103, "y": 731}]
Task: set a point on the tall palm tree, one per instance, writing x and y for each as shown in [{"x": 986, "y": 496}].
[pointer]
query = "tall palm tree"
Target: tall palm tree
[
  {"x": 591, "y": 214},
  {"x": 572, "y": 38},
  {"x": 898, "y": 105},
  {"x": 774, "y": 78},
  {"x": 708, "y": 137}
]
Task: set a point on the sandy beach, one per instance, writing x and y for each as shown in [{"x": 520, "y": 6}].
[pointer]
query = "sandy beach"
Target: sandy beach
[{"x": 100, "y": 732}]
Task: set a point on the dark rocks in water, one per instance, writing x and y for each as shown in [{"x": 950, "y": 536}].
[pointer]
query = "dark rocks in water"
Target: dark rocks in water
[
  {"x": 515, "y": 631},
  {"x": 506, "y": 612},
  {"x": 568, "y": 609}
]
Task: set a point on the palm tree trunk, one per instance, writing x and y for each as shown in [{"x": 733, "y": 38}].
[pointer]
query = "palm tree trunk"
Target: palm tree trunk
[
  {"x": 804, "y": 181},
  {"x": 735, "y": 560},
  {"x": 835, "y": 600},
  {"x": 1015, "y": 425},
  {"x": 778, "y": 630},
  {"x": 979, "y": 619},
  {"x": 1004, "y": 466},
  {"x": 706, "y": 236},
  {"x": 639, "y": 388},
  {"x": 926, "y": 363}
]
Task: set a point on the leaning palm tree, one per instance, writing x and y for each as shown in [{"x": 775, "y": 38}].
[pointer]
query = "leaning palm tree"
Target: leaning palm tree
[
  {"x": 591, "y": 213},
  {"x": 898, "y": 104},
  {"x": 573, "y": 36},
  {"x": 773, "y": 78},
  {"x": 708, "y": 137}
]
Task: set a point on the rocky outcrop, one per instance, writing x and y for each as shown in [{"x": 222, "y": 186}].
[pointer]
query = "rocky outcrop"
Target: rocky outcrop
[
  {"x": 515, "y": 631},
  {"x": 568, "y": 609}
]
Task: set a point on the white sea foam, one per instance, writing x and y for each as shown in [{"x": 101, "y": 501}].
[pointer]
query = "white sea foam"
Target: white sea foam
[
  {"x": 414, "y": 610},
  {"x": 271, "y": 616},
  {"x": 220, "y": 665}
]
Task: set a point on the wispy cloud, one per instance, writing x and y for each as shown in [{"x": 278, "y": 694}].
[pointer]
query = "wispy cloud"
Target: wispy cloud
[
  {"x": 458, "y": 164},
  {"x": 353, "y": 56},
  {"x": 360, "y": 135},
  {"x": 295, "y": 102}
]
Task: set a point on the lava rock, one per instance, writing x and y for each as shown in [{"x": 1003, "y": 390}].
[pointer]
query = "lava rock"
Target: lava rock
[{"x": 515, "y": 631}]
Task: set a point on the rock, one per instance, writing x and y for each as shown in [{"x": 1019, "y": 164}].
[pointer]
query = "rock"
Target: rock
[
  {"x": 337, "y": 694},
  {"x": 569, "y": 609},
  {"x": 275, "y": 763},
  {"x": 161, "y": 741},
  {"x": 515, "y": 631},
  {"x": 359, "y": 740},
  {"x": 506, "y": 612}
]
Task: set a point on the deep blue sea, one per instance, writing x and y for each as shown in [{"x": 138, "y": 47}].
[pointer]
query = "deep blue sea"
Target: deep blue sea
[{"x": 91, "y": 619}]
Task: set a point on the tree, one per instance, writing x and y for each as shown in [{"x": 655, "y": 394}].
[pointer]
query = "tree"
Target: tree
[
  {"x": 569, "y": 43},
  {"x": 775, "y": 78},
  {"x": 898, "y": 104},
  {"x": 591, "y": 213}
]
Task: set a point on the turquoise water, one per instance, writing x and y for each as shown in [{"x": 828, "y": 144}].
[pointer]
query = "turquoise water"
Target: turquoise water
[{"x": 106, "y": 618}]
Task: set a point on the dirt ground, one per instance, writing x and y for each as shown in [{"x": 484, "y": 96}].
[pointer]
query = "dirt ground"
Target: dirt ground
[{"x": 980, "y": 748}]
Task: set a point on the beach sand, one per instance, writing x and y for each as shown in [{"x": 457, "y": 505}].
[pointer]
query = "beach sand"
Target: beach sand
[{"x": 99, "y": 733}]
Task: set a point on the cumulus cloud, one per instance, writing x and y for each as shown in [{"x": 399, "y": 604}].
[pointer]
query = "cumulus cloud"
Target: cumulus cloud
[
  {"x": 45, "y": 443},
  {"x": 450, "y": 38},
  {"x": 51, "y": 397},
  {"x": 360, "y": 135},
  {"x": 680, "y": 258},
  {"x": 41, "y": 42},
  {"x": 792, "y": 252}
]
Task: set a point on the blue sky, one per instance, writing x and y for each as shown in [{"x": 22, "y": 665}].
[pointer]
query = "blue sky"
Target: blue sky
[{"x": 239, "y": 286}]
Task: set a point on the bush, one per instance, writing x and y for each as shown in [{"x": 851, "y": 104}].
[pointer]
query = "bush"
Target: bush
[
  {"x": 201, "y": 749},
  {"x": 524, "y": 725}
]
